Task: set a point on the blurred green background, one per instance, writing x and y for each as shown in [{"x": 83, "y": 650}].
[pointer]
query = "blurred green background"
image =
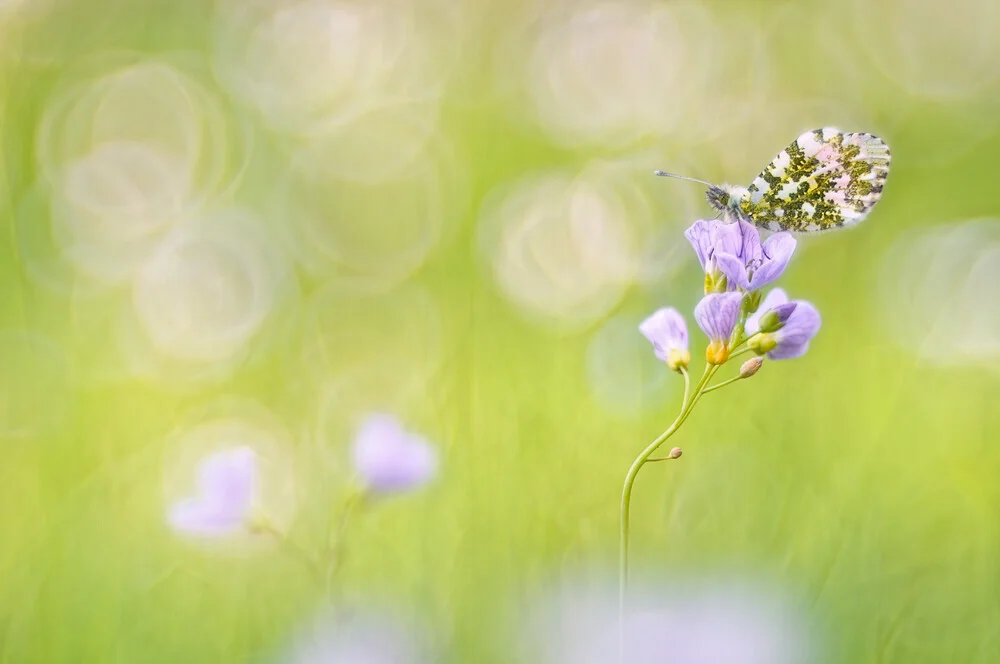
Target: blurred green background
[{"x": 293, "y": 213}]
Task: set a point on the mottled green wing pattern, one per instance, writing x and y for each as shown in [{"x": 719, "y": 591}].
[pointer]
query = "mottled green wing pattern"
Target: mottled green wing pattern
[{"x": 825, "y": 179}]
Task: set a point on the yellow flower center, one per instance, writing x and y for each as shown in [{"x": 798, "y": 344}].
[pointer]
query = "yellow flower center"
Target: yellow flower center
[{"x": 717, "y": 352}]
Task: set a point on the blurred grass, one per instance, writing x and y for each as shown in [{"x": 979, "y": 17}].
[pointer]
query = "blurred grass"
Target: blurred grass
[{"x": 859, "y": 478}]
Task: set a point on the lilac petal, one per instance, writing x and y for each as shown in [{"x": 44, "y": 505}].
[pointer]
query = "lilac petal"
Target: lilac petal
[
  {"x": 226, "y": 489},
  {"x": 700, "y": 237},
  {"x": 784, "y": 311},
  {"x": 666, "y": 330},
  {"x": 390, "y": 459},
  {"x": 200, "y": 516},
  {"x": 777, "y": 252},
  {"x": 738, "y": 239},
  {"x": 750, "y": 247},
  {"x": 788, "y": 351},
  {"x": 735, "y": 270},
  {"x": 227, "y": 477},
  {"x": 716, "y": 314},
  {"x": 774, "y": 297},
  {"x": 801, "y": 326}
]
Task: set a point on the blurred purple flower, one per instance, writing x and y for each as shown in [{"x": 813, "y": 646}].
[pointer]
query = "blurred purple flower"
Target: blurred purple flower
[
  {"x": 787, "y": 326},
  {"x": 702, "y": 621},
  {"x": 390, "y": 459},
  {"x": 716, "y": 315},
  {"x": 224, "y": 502},
  {"x": 735, "y": 249},
  {"x": 667, "y": 331},
  {"x": 358, "y": 636}
]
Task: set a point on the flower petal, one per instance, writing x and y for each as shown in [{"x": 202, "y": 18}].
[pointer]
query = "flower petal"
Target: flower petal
[
  {"x": 228, "y": 478},
  {"x": 777, "y": 252},
  {"x": 700, "y": 235},
  {"x": 226, "y": 483},
  {"x": 735, "y": 270},
  {"x": 801, "y": 326},
  {"x": 200, "y": 516},
  {"x": 739, "y": 239},
  {"x": 716, "y": 314},
  {"x": 666, "y": 330},
  {"x": 788, "y": 351},
  {"x": 389, "y": 458},
  {"x": 774, "y": 297}
]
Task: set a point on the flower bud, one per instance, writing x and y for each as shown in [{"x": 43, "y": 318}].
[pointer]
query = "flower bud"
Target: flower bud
[
  {"x": 751, "y": 366},
  {"x": 678, "y": 359},
  {"x": 762, "y": 343},
  {"x": 715, "y": 282},
  {"x": 751, "y": 301},
  {"x": 675, "y": 453},
  {"x": 717, "y": 352},
  {"x": 770, "y": 322}
]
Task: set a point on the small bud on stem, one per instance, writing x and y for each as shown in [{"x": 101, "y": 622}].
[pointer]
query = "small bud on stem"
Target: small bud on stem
[
  {"x": 751, "y": 366},
  {"x": 675, "y": 453}
]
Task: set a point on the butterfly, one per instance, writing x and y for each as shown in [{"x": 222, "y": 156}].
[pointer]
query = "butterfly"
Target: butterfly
[{"x": 825, "y": 179}]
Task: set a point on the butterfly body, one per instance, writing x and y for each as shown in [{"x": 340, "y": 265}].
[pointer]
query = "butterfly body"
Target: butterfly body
[{"x": 825, "y": 179}]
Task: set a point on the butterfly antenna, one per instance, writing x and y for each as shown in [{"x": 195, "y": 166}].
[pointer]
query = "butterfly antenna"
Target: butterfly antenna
[{"x": 664, "y": 174}]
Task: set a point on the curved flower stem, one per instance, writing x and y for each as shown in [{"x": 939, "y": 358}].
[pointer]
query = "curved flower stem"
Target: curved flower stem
[
  {"x": 335, "y": 539},
  {"x": 722, "y": 384},
  {"x": 290, "y": 545},
  {"x": 633, "y": 471}
]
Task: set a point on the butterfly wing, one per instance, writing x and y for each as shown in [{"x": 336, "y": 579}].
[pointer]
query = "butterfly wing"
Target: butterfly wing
[{"x": 825, "y": 179}]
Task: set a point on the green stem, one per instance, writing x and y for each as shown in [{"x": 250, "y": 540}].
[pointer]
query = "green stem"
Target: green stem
[
  {"x": 736, "y": 339},
  {"x": 742, "y": 351},
  {"x": 722, "y": 384},
  {"x": 633, "y": 471},
  {"x": 291, "y": 546},
  {"x": 655, "y": 459},
  {"x": 335, "y": 539}
]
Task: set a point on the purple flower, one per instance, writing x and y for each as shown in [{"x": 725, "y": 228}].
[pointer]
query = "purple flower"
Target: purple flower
[
  {"x": 783, "y": 328},
  {"x": 668, "y": 333},
  {"x": 735, "y": 251},
  {"x": 709, "y": 237},
  {"x": 224, "y": 502},
  {"x": 359, "y": 635},
  {"x": 390, "y": 459},
  {"x": 716, "y": 315}
]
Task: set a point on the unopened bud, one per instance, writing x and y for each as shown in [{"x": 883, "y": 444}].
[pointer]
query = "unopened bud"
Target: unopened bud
[
  {"x": 752, "y": 301},
  {"x": 675, "y": 453},
  {"x": 715, "y": 282},
  {"x": 770, "y": 322},
  {"x": 762, "y": 343},
  {"x": 751, "y": 366},
  {"x": 717, "y": 352}
]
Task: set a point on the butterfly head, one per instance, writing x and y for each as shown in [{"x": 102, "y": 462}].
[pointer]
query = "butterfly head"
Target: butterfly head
[{"x": 726, "y": 199}]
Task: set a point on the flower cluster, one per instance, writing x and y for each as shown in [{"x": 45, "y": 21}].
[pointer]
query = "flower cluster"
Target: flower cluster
[
  {"x": 388, "y": 459},
  {"x": 733, "y": 313},
  {"x": 228, "y": 499}
]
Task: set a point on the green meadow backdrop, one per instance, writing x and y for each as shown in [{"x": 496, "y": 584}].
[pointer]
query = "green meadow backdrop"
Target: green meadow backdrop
[{"x": 281, "y": 215}]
